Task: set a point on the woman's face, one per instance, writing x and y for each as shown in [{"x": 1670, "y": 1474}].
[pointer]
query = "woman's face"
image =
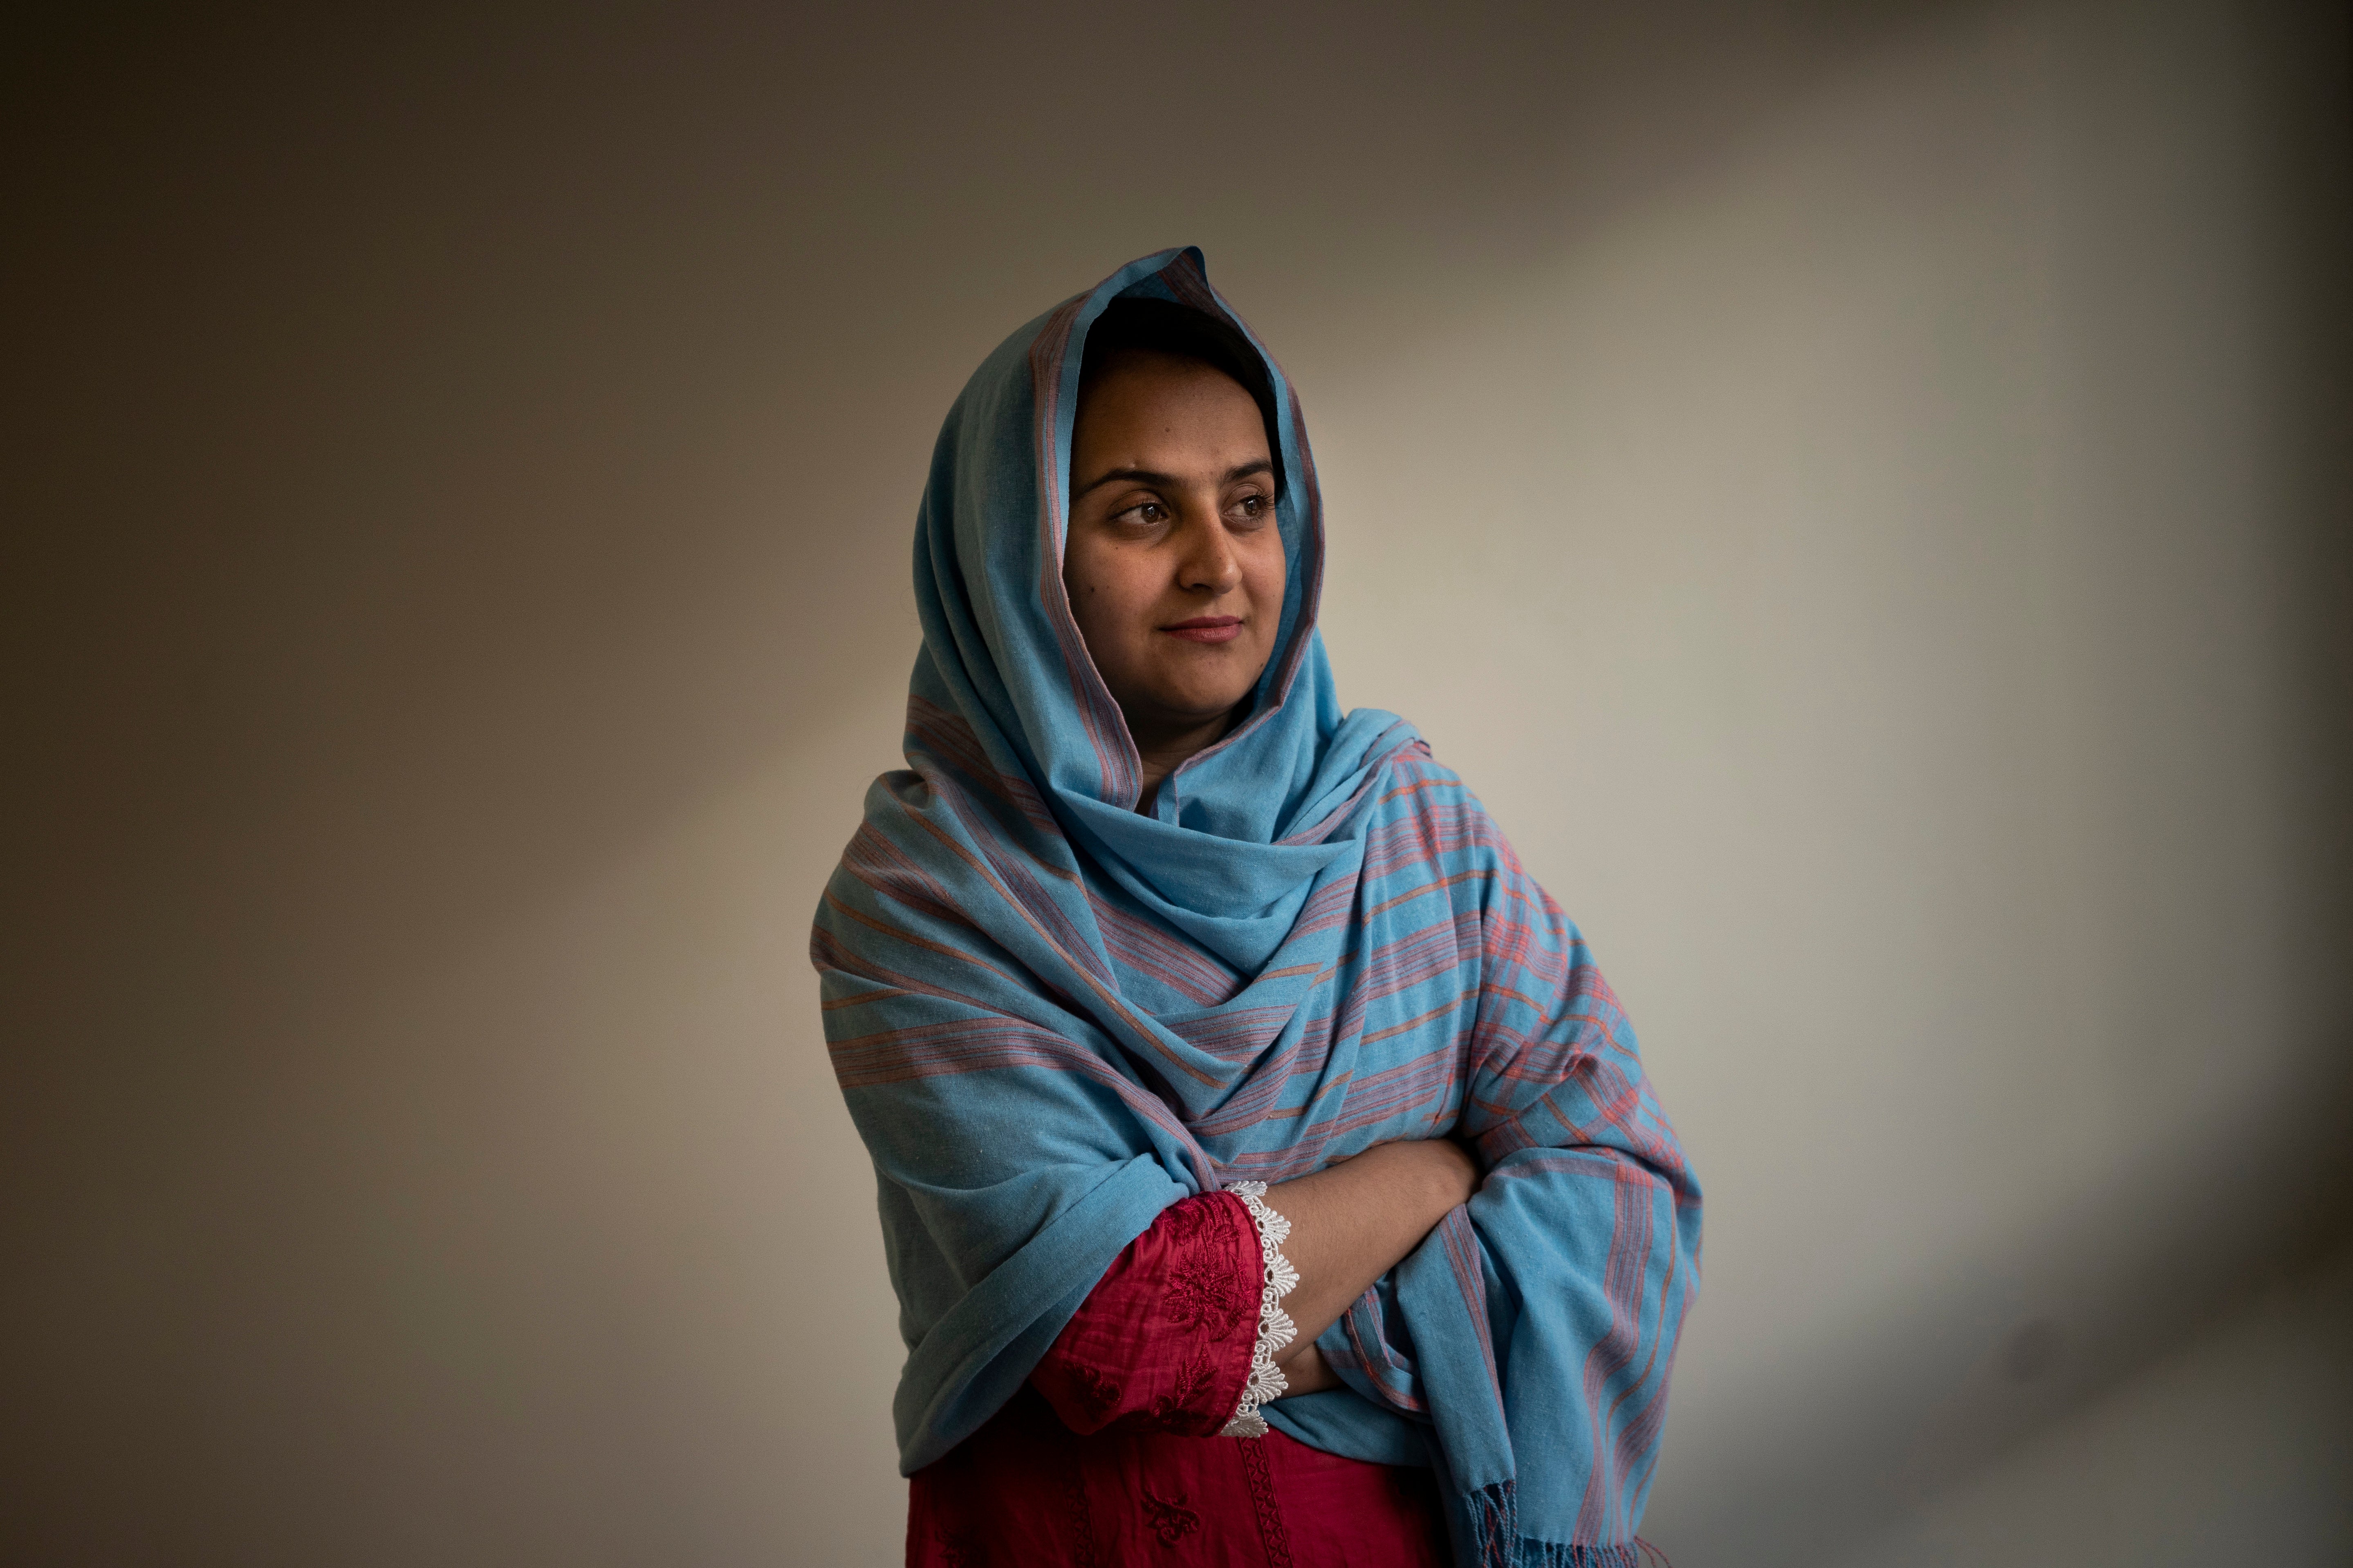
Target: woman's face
[{"x": 1174, "y": 565}]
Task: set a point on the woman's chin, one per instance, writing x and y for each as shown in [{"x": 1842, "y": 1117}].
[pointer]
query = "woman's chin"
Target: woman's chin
[{"x": 1205, "y": 690}]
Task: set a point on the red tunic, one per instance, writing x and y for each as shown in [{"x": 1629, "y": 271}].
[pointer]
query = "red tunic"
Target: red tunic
[{"x": 1109, "y": 1454}]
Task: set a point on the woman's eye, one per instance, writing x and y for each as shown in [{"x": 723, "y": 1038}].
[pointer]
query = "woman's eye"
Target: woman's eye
[{"x": 1254, "y": 508}]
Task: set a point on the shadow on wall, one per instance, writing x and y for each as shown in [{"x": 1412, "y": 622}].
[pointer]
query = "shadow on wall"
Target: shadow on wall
[
  {"x": 1858, "y": 489},
  {"x": 1833, "y": 1448}
]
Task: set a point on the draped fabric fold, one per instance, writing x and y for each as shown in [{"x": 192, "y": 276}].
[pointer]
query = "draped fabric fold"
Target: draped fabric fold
[{"x": 1052, "y": 1016}]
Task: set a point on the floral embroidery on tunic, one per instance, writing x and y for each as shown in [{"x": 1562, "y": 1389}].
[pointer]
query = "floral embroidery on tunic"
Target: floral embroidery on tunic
[
  {"x": 1097, "y": 1391},
  {"x": 1188, "y": 1281},
  {"x": 1185, "y": 1217},
  {"x": 1204, "y": 1292},
  {"x": 1191, "y": 1377},
  {"x": 1172, "y": 1521}
]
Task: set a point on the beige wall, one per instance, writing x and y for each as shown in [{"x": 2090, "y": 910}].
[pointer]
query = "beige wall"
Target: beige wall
[{"x": 1859, "y": 492}]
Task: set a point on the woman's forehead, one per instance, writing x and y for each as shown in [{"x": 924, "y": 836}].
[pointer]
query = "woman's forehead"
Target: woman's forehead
[{"x": 1168, "y": 401}]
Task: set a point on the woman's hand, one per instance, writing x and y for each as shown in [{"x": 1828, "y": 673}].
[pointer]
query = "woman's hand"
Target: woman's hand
[{"x": 1351, "y": 1223}]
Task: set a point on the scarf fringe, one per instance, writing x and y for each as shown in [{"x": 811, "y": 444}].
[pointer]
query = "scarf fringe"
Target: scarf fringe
[{"x": 1496, "y": 1540}]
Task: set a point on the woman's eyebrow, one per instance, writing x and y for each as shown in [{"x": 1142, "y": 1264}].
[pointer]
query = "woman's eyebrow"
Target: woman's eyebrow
[
  {"x": 1137, "y": 475},
  {"x": 1169, "y": 481}
]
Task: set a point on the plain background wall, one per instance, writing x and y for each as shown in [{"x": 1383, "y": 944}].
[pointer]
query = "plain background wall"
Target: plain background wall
[{"x": 1858, "y": 491}]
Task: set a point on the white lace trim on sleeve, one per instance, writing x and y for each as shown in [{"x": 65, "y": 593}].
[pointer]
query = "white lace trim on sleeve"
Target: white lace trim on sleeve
[{"x": 1275, "y": 1328}]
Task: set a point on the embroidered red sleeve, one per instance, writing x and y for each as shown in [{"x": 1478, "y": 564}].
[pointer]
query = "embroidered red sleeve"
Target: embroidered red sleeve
[{"x": 1164, "y": 1341}]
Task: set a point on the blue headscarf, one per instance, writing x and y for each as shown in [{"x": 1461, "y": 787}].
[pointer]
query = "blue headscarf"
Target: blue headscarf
[{"x": 1052, "y": 1014}]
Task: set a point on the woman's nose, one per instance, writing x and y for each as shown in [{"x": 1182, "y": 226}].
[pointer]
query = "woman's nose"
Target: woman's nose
[{"x": 1209, "y": 562}]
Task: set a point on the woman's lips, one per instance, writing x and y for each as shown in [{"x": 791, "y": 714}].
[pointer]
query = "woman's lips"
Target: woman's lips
[{"x": 1207, "y": 628}]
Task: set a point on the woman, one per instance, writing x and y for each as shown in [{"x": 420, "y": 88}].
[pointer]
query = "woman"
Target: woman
[{"x": 1266, "y": 1174}]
